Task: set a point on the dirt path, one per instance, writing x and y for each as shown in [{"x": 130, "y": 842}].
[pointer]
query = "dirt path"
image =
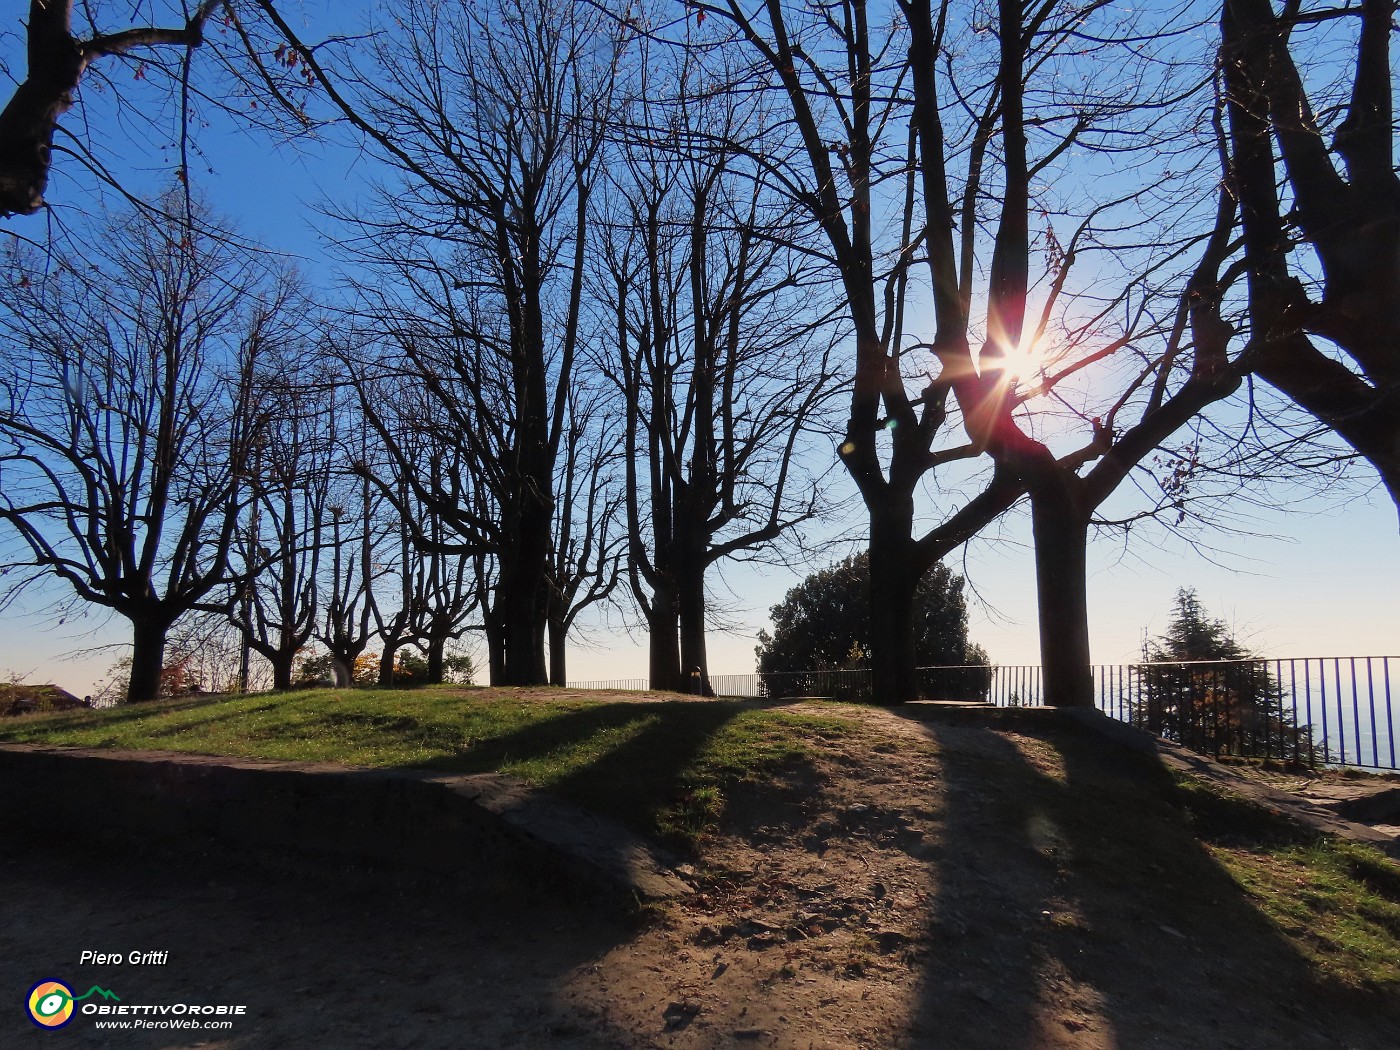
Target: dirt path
[{"x": 924, "y": 884}]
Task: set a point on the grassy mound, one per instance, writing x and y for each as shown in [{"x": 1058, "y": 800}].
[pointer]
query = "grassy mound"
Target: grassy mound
[
  {"x": 1105, "y": 825},
  {"x": 659, "y": 765}
]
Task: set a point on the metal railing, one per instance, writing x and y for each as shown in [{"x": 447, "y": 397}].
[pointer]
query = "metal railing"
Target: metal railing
[
  {"x": 1315, "y": 711},
  {"x": 1334, "y": 711},
  {"x": 618, "y": 684}
]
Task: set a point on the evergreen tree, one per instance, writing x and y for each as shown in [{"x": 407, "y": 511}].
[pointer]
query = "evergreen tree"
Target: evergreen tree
[
  {"x": 1200, "y": 687},
  {"x": 823, "y": 625}
]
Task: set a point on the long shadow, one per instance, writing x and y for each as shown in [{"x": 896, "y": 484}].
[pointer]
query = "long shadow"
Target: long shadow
[
  {"x": 157, "y": 733},
  {"x": 87, "y": 718},
  {"x": 989, "y": 889},
  {"x": 369, "y": 952},
  {"x": 1074, "y": 901},
  {"x": 319, "y": 953},
  {"x": 645, "y": 753},
  {"x": 1204, "y": 920},
  {"x": 630, "y": 760}
]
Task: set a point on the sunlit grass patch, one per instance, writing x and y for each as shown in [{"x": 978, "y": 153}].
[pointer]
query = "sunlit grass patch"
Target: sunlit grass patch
[
  {"x": 1337, "y": 901},
  {"x": 660, "y": 766}
]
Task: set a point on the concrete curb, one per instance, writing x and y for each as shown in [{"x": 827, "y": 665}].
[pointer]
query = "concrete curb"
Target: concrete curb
[
  {"x": 1309, "y": 814},
  {"x": 484, "y": 828}
]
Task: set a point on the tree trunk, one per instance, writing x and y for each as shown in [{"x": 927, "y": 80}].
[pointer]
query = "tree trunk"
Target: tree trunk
[
  {"x": 557, "y": 670},
  {"x": 495, "y": 648},
  {"x": 694, "y": 662},
  {"x": 523, "y": 639},
  {"x": 388, "y": 660},
  {"x": 664, "y": 654},
  {"x": 342, "y": 672},
  {"x": 1061, "y": 533},
  {"x": 522, "y": 602},
  {"x": 147, "y": 660},
  {"x": 435, "y": 656},
  {"x": 282, "y": 669},
  {"x": 892, "y": 585}
]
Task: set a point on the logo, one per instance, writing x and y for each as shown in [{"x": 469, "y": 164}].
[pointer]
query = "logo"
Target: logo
[{"x": 51, "y": 1002}]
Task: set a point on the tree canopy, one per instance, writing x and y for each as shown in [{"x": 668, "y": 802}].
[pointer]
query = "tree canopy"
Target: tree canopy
[
  {"x": 1192, "y": 634},
  {"x": 1201, "y": 687},
  {"x": 823, "y": 623}
]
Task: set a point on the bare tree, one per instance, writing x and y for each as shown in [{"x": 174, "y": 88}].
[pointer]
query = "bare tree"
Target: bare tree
[
  {"x": 494, "y": 118},
  {"x": 980, "y": 97},
  {"x": 446, "y": 599},
  {"x": 361, "y": 523},
  {"x": 285, "y": 529},
  {"x": 588, "y": 545},
  {"x": 722, "y": 349},
  {"x": 438, "y": 588},
  {"x": 125, "y": 424},
  {"x": 1324, "y": 271}
]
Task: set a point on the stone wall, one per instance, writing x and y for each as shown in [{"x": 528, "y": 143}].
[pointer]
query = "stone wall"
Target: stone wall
[{"x": 479, "y": 828}]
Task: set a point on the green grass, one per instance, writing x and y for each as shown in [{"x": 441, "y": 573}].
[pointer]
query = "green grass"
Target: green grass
[
  {"x": 1337, "y": 901},
  {"x": 660, "y": 766}
]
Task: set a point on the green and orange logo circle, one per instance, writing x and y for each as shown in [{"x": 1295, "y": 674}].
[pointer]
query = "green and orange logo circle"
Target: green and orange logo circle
[{"x": 51, "y": 1004}]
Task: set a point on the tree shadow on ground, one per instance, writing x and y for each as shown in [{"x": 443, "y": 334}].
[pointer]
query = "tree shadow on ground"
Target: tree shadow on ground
[
  {"x": 631, "y": 761},
  {"x": 1076, "y": 902},
  {"x": 158, "y": 734},
  {"x": 17, "y": 729},
  {"x": 319, "y": 953}
]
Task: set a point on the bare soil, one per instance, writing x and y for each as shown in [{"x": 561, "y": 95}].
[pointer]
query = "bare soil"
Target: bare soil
[{"x": 929, "y": 882}]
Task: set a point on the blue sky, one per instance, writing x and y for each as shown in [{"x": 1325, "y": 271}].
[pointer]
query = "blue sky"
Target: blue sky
[{"x": 1315, "y": 577}]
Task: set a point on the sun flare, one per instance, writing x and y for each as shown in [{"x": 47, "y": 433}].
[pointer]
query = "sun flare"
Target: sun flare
[{"x": 1020, "y": 363}]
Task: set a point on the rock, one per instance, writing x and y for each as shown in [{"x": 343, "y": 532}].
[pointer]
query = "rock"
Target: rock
[
  {"x": 679, "y": 1014},
  {"x": 706, "y": 936},
  {"x": 889, "y": 940}
]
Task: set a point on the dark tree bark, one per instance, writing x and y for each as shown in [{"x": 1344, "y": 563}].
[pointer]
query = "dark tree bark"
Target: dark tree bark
[
  {"x": 147, "y": 657},
  {"x": 486, "y": 253},
  {"x": 1348, "y": 220},
  {"x": 277, "y": 607},
  {"x": 888, "y": 447},
  {"x": 1060, "y": 528},
  {"x": 57, "y": 62},
  {"x": 895, "y": 572},
  {"x": 436, "y": 654}
]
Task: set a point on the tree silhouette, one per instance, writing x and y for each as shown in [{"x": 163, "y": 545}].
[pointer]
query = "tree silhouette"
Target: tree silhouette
[
  {"x": 824, "y": 624},
  {"x": 1203, "y": 689}
]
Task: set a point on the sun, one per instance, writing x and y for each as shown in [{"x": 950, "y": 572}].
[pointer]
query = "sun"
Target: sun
[{"x": 1021, "y": 362}]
